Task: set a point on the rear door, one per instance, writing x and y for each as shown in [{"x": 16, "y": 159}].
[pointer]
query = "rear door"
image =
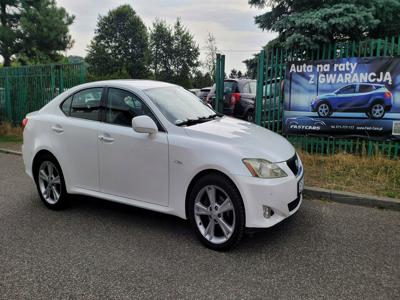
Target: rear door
[{"x": 75, "y": 138}]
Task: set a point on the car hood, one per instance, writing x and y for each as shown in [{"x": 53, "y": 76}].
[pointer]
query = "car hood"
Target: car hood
[{"x": 248, "y": 139}]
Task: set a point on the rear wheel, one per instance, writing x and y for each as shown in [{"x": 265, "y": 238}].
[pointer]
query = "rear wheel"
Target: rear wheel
[
  {"x": 50, "y": 182},
  {"x": 216, "y": 212},
  {"x": 249, "y": 116},
  {"x": 377, "y": 111}
]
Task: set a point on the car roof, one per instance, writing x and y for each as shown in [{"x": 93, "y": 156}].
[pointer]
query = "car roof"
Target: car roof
[{"x": 135, "y": 83}]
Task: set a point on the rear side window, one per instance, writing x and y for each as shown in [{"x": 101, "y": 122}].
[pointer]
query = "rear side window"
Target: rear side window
[
  {"x": 86, "y": 104},
  {"x": 66, "y": 106},
  {"x": 246, "y": 88},
  {"x": 253, "y": 87},
  {"x": 230, "y": 87},
  {"x": 365, "y": 88}
]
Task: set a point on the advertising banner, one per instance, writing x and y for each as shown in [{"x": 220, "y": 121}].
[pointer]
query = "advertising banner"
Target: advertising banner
[{"x": 347, "y": 96}]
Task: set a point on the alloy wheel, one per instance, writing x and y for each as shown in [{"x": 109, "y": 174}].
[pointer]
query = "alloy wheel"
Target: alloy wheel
[
  {"x": 49, "y": 182},
  {"x": 214, "y": 214},
  {"x": 323, "y": 110},
  {"x": 377, "y": 110}
]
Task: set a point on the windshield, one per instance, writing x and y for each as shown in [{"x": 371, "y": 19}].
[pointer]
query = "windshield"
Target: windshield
[{"x": 178, "y": 105}]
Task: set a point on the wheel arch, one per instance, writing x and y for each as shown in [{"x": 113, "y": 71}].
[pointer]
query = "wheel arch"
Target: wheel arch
[
  {"x": 201, "y": 174},
  {"x": 36, "y": 160},
  {"x": 376, "y": 100}
]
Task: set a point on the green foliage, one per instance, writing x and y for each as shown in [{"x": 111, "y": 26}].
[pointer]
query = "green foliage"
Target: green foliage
[
  {"x": 201, "y": 80},
  {"x": 310, "y": 23},
  {"x": 251, "y": 65},
  {"x": 174, "y": 53},
  {"x": 161, "y": 49},
  {"x": 120, "y": 46},
  {"x": 34, "y": 31}
]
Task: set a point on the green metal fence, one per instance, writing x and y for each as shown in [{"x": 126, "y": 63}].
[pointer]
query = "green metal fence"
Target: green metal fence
[
  {"x": 26, "y": 89},
  {"x": 269, "y": 98}
]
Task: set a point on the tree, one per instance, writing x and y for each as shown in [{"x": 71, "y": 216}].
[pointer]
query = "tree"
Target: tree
[
  {"x": 201, "y": 80},
  {"x": 161, "y": 49},
  {"x": 211, "y": 50},
  {"x": 33, "y": 31},
  {"x": 174, "y": 53},
  {"x": 186, "y": 54},
  {"x": 251, "y": 65},
  {"x": 309, "y": 24},
  {"x": 239, "y": 74},
  {"x": 234, "y": 74},
  {"x": 120, "y": 46}
]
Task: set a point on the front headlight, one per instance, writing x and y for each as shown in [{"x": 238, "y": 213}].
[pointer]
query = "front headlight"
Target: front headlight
[{"x": 263, "y": 168}]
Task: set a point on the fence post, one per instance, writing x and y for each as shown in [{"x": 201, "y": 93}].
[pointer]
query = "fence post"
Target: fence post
[
  {"x": 82, "y": 73},
  {"x": 219, "y": 82},
  {"x": 7, "y": 94},
  {"x": 260, "y": 86}
]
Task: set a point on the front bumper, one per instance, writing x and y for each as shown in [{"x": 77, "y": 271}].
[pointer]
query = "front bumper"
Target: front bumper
[{"x": 281, "y": 195}]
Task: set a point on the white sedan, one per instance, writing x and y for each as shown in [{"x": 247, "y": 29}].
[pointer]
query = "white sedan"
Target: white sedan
[{"x": 154, "y": 145}]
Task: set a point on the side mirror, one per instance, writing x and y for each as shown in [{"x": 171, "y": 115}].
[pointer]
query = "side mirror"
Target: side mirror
[{"x": 144, "y": 124}]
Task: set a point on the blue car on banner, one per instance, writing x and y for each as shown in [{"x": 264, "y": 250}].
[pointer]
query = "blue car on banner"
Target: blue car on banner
[{"x": 372, "y": 99}]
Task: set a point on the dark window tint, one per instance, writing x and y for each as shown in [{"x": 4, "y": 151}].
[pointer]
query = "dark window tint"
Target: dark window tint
[
  {"x": 123, "y": 106},
  {"x": 86, "y": 104},
  {"x": 66, "y": 106},
  {"x": 366, "y": 88},
  {"x": 230, "y": 87},
  {"x": 350, "y": 89}
]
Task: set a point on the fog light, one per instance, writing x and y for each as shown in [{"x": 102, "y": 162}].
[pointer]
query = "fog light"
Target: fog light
[{"x": 268, "y": 212}]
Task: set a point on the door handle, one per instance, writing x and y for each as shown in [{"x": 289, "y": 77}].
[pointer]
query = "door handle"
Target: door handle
[
  {"x": 106, "y": 139},
  {"x": 57, "y": 129}
]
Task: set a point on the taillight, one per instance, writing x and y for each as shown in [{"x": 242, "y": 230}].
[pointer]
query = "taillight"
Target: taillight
[
  {"x": 388, "y": 94},
  {"x": 235, "y": 98},
  {"x": 24, "y": 122}
]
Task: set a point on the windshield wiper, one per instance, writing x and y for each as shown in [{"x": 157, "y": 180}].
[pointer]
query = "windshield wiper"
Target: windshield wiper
[
  {"x": 189, "y": 122},
  {"x": 214, "y": 116}
]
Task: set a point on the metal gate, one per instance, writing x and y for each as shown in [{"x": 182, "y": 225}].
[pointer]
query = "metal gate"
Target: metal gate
[{"x": 26, "y": 89}]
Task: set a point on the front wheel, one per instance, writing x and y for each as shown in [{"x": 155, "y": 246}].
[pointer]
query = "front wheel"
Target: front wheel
[
  {"x": 216, "y": 212},
  {"x": 50, "y": 183},
  {"x": 324, "y": 110}
]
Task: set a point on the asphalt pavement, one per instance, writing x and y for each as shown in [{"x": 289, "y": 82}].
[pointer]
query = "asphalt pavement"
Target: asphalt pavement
[{"x": 101, "y": 250}]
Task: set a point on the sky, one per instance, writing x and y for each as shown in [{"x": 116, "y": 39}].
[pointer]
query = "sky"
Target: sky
[{"x": 230, "y": 21}]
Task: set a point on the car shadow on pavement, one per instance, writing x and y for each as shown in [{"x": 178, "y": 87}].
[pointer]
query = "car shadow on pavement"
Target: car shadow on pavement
[{"x": 148, "y": 222}]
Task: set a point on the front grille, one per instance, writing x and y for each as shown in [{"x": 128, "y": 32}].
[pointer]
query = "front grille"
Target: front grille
[
  {"x": 293, "y": 164},
  {"x": 292, "y": 205}
]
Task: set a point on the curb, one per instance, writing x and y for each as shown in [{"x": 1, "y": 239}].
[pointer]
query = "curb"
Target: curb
[
  {"x": 320, "y": 193},
  {"x": 352, "y": 198},
  {"x": 10, "y": 151}
]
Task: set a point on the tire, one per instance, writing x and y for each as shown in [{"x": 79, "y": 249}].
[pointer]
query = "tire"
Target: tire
[
  {"x": 368, "y": 113},
  {"x": 219, "y": 227},
  {"x": 47, "y": 168},
  {"x": 377, "y": 110},
  {"x": 249, "y": 116},
  {"x": 324, "y": 109}
]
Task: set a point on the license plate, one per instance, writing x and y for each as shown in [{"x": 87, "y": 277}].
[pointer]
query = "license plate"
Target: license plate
[{"x": 300, "y": 185}]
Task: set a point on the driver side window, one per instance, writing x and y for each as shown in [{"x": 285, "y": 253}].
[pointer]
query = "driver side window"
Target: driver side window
[
  {"x": 350, "y": 89},
  {"x": 123, "y": 106}
]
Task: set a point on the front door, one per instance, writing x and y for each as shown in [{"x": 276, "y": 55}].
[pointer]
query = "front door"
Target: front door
[{"x": 132, "y": 165}]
